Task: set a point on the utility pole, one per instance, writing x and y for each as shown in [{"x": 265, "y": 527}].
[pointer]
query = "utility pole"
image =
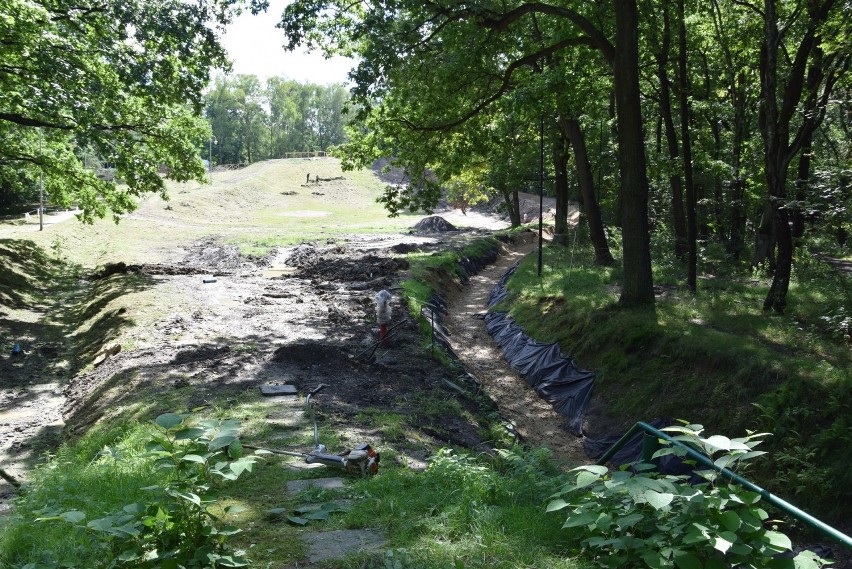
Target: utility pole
[{"x": 210, "y": 158}]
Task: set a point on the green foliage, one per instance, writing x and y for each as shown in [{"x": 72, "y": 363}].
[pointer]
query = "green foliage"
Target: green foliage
[
  {"x": 644, "y": 519},
  {"x": 120, "y": 80},
  {"x": 466, "y": 511},
  {"x": 713, "y": 356},
  {"x": 170, "y": 524},
  {"x": 303, "y": 515},
  {"x": 251, "y": 121}
]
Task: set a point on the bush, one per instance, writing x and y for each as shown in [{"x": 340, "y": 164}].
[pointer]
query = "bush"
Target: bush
[
  {"x": 643, "y": 518},
  {"x": 172, "y": 525}
]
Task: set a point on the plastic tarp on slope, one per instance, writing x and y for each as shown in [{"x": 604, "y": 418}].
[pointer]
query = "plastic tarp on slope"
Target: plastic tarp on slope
[{"x": 555, "y": 377}]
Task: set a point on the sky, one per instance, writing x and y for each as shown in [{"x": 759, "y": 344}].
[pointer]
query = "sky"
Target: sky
[{"x": 254, "y": 45}]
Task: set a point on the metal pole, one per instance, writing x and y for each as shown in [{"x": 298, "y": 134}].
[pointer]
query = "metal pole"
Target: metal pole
[
  {"x": 748, "y": 485},
  {"x": 540, "y": 192},
  {"x": 40, "y": 183},
  {"x": 432, "y": 312}
]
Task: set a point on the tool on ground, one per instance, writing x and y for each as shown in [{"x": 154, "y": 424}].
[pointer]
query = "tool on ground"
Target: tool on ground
[
  {"x": 362, "y": 460},
  {"x": 383, "y": 312}
]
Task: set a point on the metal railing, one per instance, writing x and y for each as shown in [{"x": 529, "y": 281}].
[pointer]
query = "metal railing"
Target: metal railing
[{"x": 649, "y": 447}]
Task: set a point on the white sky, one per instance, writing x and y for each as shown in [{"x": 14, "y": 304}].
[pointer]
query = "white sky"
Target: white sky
[{"x": 254, "y": 45}]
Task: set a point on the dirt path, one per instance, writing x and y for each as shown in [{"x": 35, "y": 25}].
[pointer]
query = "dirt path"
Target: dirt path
[{"x": 535, "y": 420}]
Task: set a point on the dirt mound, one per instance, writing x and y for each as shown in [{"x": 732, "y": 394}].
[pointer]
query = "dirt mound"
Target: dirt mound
[
  {"x": 207, "y": 256},
  {"x": 211, "y": 255},
  {"x": 342, "y": 264},
  {"x": 308, "y": 354},
  {"x": 434, "y": 224}
]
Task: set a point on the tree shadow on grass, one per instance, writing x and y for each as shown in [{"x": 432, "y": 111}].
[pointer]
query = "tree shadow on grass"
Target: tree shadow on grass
[{"x": 59, "y": 322}]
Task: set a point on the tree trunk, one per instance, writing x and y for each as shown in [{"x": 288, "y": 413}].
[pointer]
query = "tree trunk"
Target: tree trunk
[
  {"x": 803, "y": 173},
  {"x": 737, "y": 217},
  {"x": 774, "y": 141},
  {"x": 764, "y": 239},
  {"x": 638, "y": 285},
  {"x": 775, "y": 123},
  {"x": 513, "y": 207},
  {"x": 573, "y": 132},
  {"x": 675, "y": 181},
  {"x": 683, "y": 103},
  {"x": 560, "y": 166}
]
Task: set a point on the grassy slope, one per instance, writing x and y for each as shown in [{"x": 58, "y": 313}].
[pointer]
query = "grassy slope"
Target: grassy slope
[
  {"x": 714, "y": 359},
  {"x": 253, "y": 207}
]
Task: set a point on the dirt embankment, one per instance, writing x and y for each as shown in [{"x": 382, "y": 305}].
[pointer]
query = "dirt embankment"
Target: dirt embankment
[
  {"x": 218, "y": 323},
  {"x": 224, "y": 323}
]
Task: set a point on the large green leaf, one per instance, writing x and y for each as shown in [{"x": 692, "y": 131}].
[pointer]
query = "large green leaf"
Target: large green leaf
[
  {"x": 730, "y": 520},
  {"x": 555, "y": 505},
  {"x": 235, "y": 449},
  {"x": 194, "y": 458},
  {"x": 654, "y": 560},
  {"x": 583, "y": 519},
  {"x": 188, "y": 496},
  {"x": 658, "y": 500},
  {"x": 73, "y": 516},
  {"x": 189, "y": 433},
  {"x": 168, "y": 420},
  {"x": 777, "y": 541},
  {"x": 586, "y": 478},
  {"x": 687, "y": 561},
  {"x": 221, "y": 441}
]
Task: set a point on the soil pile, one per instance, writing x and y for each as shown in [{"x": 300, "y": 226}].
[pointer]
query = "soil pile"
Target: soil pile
[{"x": 434, "y": 224}]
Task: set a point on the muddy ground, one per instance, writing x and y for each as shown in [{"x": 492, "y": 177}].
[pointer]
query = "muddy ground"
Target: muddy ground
[{"x": 302, "y": 315}]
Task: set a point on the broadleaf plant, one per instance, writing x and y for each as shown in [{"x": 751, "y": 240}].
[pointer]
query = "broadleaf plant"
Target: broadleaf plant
[
  {"x": 637, "y": 517},
  {"x": 174, "y": 527}
]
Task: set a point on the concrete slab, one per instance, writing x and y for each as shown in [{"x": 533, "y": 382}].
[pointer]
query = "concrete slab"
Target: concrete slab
[
  {"x": 296, "y": 486},
  {"x": 328, "y": 545},
  {"x": 278, "y": 390}
]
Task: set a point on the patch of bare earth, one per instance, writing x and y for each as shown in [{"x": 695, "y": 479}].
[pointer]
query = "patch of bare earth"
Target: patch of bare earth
[{"x": 534, "y": 419}]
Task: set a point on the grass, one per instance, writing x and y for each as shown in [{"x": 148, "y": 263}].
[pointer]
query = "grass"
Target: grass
[
  {"x": 463, "y": 511},
  {"x": 254, "y": 208},
  {"x": 714, "y": 358},
  {"x": 98, "y": 475}
]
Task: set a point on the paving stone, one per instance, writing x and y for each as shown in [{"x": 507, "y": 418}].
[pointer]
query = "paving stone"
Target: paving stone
[
  {"x": 328, "y": 545},
  {"x": 296, "y": 486},
  {"x": 276, "y": 390}
]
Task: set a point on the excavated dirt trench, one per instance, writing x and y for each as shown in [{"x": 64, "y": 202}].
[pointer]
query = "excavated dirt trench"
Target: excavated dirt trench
[{"x": 534, "y": 419}]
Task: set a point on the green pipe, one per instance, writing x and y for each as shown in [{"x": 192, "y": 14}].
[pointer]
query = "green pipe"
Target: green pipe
[{"x": 765, "y": 494}]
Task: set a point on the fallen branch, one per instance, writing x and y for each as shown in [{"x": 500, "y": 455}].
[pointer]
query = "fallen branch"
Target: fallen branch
[{"x": 9, "y": 478}]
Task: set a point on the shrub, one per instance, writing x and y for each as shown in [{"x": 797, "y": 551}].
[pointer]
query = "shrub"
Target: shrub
[
  {"x": 173, "y": 527},
  {"x": 643, "y": 518}
]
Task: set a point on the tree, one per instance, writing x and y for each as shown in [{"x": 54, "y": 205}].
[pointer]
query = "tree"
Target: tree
[
  {"x": 782, "y": 138},
  {"x": 123, "y": 79},
  {"x": 428, "y": 68},
  {"x": 254, "y": 123}
]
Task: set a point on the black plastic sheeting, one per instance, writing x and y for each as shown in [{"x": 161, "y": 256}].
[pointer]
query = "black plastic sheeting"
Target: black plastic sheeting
[
  {"x": 433, "y": 311},
  {"x": 556, "y": 378}
]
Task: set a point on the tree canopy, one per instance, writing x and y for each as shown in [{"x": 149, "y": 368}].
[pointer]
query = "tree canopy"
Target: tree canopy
[
  {"x": 253, "y": 122},
  {"x": 700, "y": 111},
  {"x": 120, "y": 80}
]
